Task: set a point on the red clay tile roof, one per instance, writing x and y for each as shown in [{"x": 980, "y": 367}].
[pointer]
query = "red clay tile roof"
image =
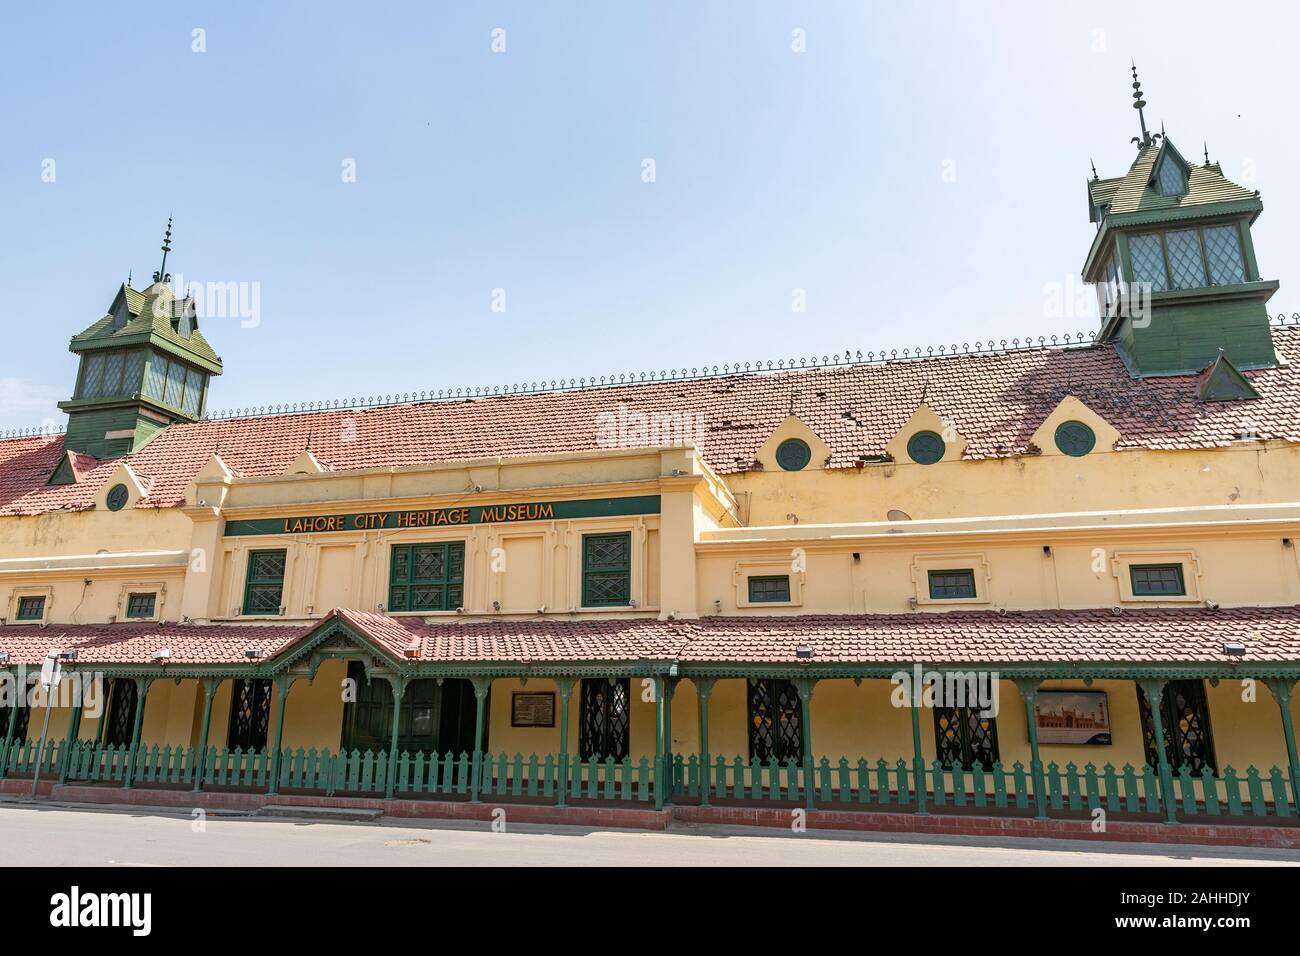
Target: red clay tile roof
[
  {"x": 995, "y": 400},
  {"x": 1135, "y": 636},
  {"x": 134, "y": 643}
]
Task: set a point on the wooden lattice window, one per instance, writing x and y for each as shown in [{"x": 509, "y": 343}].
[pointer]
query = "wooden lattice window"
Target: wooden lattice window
[
  {"x": 264, "y": 592},
  {"x": 1186, "y": 718},
  {"x": 964, "y": 738},
  {"x": 606, "y": 570},
  {"x": 427, "y": 577},
  {"x": 775, "y": 721},
  {"x": 250, "y": 714},
  {"x": 605, "y": 718},
  {"x": 120, "y": 722}
]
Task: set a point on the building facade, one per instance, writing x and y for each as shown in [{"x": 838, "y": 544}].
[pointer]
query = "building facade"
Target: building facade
[{"x": 1039, "y": 578}]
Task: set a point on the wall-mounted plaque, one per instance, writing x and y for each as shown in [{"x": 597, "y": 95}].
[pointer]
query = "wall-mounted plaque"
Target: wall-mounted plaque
[
  {"x": 532, "y": 710},
  {"x": 1072, "y": 717}
]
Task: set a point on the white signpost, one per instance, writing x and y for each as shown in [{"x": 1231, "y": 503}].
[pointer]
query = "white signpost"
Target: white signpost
[{"x": 51, "y": 674}]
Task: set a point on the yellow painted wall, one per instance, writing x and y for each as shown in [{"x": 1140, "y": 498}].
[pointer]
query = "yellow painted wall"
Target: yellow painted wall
[{"x": 1244, "y": 474}]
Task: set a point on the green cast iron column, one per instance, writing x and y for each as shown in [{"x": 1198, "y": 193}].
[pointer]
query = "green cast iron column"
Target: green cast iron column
[
  {"x": 806, "y": 685},
  {"x": 1154, "y": 691},
  {"x": 141, "y": 692},
  {"x": 670, "y": 773},
  {"x": 481, "y": 687},
  {"x": 74, "y": 725},
  {"x": 399, "y": 691},
  {"x": 19, "y": 692},
  {"x": 1281, "y": 689},
  {"x": 918, "y": 758},
  {"x": 565, "y": 687},
  {"x": 1029, "y": 693},
  {"x": 282, "y": 685},
  {"x": 659, "y": 743},
  {"x": 209, "y": 691},
  {"x": 703, "y": 690}
]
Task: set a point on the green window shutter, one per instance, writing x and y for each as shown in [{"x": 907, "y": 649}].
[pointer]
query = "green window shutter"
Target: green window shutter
[
  {"x": 606, "y": 570},
  {"x": 427, "y": 577},
  {"x": 264, "y": 590},
  {"x": 957, "y": 583},
  {"x": 1156, "y": 580},
  {"x": 769, "y": 589}
]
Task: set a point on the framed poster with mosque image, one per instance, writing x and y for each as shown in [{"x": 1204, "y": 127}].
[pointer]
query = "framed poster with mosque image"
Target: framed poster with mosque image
[{"x": 1072, "y": 717}]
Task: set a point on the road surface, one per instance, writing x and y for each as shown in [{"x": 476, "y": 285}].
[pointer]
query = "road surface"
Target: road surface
[{"x": 80, "y": 836}]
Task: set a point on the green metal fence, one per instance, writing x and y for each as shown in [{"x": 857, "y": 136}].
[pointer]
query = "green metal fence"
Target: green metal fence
[{"x": 847, "y": 784}]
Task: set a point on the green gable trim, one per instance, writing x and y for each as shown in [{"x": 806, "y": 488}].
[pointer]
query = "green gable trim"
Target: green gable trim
[{"x": 447, "y": 517}]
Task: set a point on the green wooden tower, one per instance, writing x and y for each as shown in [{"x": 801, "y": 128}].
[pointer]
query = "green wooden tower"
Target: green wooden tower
[
  {"x": 143, "y": 366},
  {"x": 1174, "y": 264}
]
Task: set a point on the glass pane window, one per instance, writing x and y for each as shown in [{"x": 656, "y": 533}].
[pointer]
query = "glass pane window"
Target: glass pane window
[
  {"x": 770, "y": 588},
  {"x": 427, "y": 577},
  {"x": 1223, "y": 251},
  {"x": 175, "y": 384},
  {"x": 1185, "y": 262},
  {"x": 606, "y": 570},
  {"x": 140, "y": 605},
  {"x": 133, "y": 372},
  {"x": 31, "y": 608},
  {"x": 1153, "y": 580},
  {"x": 113, "y": 362},
  {"x": 959, "y": 583},
  {"x": 775, "y": 721},
  {"x": 264, "y": 591},
  {"x": 193, "y": 392},
  {"x": 155, "y": 384},
  {"x": 1148, "y": 261},
  {"x": 1170, "y": 178},
  {"x": 92, "y": 379}
]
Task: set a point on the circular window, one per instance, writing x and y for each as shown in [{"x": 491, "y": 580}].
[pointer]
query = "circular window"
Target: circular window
[
  {"x": 793, "y": 454},
  {"x": 925, "y": 448},
  {"x": 117, "y": 497},
  {"x": 1075, "y": 438}
]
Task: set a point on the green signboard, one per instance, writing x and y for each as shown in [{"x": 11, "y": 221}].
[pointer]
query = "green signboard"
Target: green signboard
[{"x": 447, "y": 517}]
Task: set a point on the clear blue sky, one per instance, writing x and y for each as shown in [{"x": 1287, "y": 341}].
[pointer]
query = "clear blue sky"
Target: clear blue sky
[{"x": 823, "y": 171}]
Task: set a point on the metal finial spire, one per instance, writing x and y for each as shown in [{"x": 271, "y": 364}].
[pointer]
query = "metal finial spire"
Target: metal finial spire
[
  {"x": 1205, "y": 146},
  {"x": 1093, "y": 163},
  {"x": 129, "y": 273},
  {"x": 1139, "y": 104},
  {"x": 161, "y": 275}
]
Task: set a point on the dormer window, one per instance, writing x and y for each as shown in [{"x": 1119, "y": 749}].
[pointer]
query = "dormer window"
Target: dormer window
[{"x": 1171, "y": 178}]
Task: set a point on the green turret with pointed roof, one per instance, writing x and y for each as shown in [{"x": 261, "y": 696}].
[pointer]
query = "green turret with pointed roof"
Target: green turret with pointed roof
[
  {"x": 143, "y": 366},
  {"x": 1174, "y": 263}
]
